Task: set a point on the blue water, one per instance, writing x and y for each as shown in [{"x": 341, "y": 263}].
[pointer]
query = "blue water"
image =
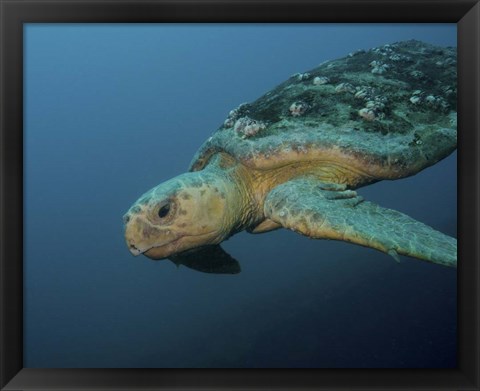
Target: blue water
[{"x": 113, "y": 110}]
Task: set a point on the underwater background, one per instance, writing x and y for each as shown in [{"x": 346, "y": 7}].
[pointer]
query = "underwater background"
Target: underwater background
[{"x": 113, "y": 110}]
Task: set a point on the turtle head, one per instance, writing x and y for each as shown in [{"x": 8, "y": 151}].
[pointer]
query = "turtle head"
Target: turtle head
[{"x": 183, "y": 213}]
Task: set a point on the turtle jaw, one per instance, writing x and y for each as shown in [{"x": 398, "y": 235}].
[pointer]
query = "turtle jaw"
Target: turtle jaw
[
  {"x": 163, "y": 251},
  {"x": 181, "y": 244},
  {"x": 153, "y": 251},
  {"x": 134, "y": 250}
]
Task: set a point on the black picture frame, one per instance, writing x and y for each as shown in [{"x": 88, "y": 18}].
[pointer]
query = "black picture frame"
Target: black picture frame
[{"x": 14, "y": 13}]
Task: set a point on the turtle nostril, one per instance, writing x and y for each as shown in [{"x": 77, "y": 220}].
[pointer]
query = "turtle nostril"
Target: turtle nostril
[{"x": 126, "y": 219}]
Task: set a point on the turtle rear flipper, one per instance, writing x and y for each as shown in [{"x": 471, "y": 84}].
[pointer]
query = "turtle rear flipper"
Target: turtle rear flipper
[
  {"x": 208, "y": 259},
  {"x": 328, "y": 211}
]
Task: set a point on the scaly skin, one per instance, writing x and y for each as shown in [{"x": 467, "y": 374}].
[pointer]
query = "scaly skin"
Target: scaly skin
[
  {"x": 208, "y": 206},
  {"x": 328, "y": 211}
]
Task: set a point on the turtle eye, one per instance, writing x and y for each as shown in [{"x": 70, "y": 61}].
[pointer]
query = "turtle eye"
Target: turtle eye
[{"x": 164, "y": 210}]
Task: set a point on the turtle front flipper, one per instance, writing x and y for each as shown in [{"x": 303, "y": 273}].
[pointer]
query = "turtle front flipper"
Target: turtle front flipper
[
  {"x": 329, "y": 211},
  {"x": 208, "y": 259}
]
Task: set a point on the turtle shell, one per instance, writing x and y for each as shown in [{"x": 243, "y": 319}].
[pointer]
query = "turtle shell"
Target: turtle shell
[{"x": 388, "y": 112}]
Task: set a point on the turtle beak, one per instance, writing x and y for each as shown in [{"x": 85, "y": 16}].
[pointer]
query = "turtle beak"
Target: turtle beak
[
  {"x": 133, "y": 246},
  {"x": 131, "y": 237},
  {"x": 135, "y": 251}
]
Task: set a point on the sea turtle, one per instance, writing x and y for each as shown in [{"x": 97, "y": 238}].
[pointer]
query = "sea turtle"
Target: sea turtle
[{"x": 294, "y": 157}]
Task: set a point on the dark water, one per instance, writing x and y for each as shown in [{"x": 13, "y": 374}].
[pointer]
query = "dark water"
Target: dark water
[{"x": 112, "y": 111}]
